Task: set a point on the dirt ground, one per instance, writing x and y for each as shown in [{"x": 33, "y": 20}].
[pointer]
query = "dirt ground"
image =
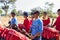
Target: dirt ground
[{"x": 5, "y": 19}]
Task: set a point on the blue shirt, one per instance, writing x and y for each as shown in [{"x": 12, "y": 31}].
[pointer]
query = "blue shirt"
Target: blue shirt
[
  {"x": 37, "y": 26},
  {"x": 14, "y": 21}
]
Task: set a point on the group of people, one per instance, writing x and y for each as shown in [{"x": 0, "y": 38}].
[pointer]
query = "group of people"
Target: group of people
[{"x": 33, "y": 28}]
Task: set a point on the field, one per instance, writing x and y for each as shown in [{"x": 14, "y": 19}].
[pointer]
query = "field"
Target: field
[{"x": 5, "y": 19}]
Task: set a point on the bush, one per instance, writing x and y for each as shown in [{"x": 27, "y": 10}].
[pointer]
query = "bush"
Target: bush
[{"x": 50, "y": 15}]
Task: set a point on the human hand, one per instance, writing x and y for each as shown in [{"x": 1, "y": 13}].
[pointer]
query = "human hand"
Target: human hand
[
  {"x": 32, "y": 37},
  {"x": 24, "y": 30}
]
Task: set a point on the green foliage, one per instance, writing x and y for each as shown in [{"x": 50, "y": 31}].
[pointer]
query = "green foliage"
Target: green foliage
[
  {"x": 7, "y": 1},
  {"x": 48, "y": 10},
  {"x": 54, "y": 15},
  {"x": 0, "y": 11},
  {"x": 6, "y": 4},
  {"x": 50, "y": 15},
  {"x": 40, "y": 15},
  {"x": 14, "y": 10},
  {"x": 12, "y": 0},
  {"x": 51, "y": 5}
]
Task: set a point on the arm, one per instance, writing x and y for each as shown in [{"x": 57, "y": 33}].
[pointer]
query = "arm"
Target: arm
[
  {"x": 31, "y": 36},
  {"x": 52, "y": 21},
  {"x": 40, "y": 26},
  {"x": 40, "y": 29},
  {"x": 24, "y": 24},
  {"x": 19, "y": 29},
  {"x": 55, "y": 23},
  {"x": 48, "y": 21},
  {"x": 14, "y": 26}
]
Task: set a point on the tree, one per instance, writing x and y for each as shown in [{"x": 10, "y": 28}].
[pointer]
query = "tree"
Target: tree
[
  {"x": 6, "y": 3},
  {"x": 0, "y": 11},
  {"x": 49, "y": 8},
  {"x": 20, "y": 12},
  {"x": 14, "y": 10}
]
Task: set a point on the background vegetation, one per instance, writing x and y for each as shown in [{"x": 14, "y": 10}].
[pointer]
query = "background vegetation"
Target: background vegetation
[{"x": 6, "y": 5}]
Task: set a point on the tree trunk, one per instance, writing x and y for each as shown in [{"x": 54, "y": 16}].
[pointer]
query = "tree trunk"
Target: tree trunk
[{"x": 6, "y": 12}]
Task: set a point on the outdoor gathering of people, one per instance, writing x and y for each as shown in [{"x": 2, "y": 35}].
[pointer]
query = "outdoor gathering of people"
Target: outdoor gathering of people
[
  {"x": 34, "y": 28},
  {"x": 29, "y": 20}
]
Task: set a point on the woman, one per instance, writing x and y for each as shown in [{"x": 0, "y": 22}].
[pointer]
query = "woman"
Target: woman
[
  {"x": 46, "y": 19},
  {"x": 26, "y": 22}
]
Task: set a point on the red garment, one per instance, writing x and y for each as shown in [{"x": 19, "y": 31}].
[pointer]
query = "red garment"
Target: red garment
[
  {"x": 50, "y": 33},
  {"x": 1, "y": 31},
  {"x": 16, "y": 35},
  {"x": 57, "y": 23},
  {"x": 11, "y": 34},
  {"x": 5, "y": 33},
  {"x": 46, "y": 22},
  {"x": 20, "y": 26},
  {"x": 30, "y": 22},
  {"x": 13, "y": 37},
  {"x": 26, "y": 25}
]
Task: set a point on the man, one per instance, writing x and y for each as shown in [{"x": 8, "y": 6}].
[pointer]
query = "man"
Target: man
[{"x": 14, "y": 21}]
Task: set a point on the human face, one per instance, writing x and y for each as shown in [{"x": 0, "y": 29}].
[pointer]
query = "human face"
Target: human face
[
  {"x": 35, "y": 15},
  {"x": 59, "y": 13},
  {"x": 25, "y": 16},
  {"x": 44, "y": 14},
  {"x": 12, "y": 15},
  {"x": 32, "y": 17}
]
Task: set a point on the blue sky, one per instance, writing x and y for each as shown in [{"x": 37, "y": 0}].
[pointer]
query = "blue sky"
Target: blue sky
[{"x": 26, "y": 5}]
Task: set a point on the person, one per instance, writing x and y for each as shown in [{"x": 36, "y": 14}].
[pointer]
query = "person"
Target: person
[
  {"x": 26, "y": 22},
  {"x": 36, "y": 28},
  {"x": 57, "y": 22},
  {"x": 45, "y": 19},
  {"x": 14, "y": 21},
  {"x": 31, "y": 19}
]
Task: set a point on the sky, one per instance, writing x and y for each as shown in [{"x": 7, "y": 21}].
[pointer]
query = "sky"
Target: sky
[{"x": 27, "y": 5}]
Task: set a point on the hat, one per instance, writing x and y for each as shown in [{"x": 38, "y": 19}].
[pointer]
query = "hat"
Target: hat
[{"x": 25, "y": 13}]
